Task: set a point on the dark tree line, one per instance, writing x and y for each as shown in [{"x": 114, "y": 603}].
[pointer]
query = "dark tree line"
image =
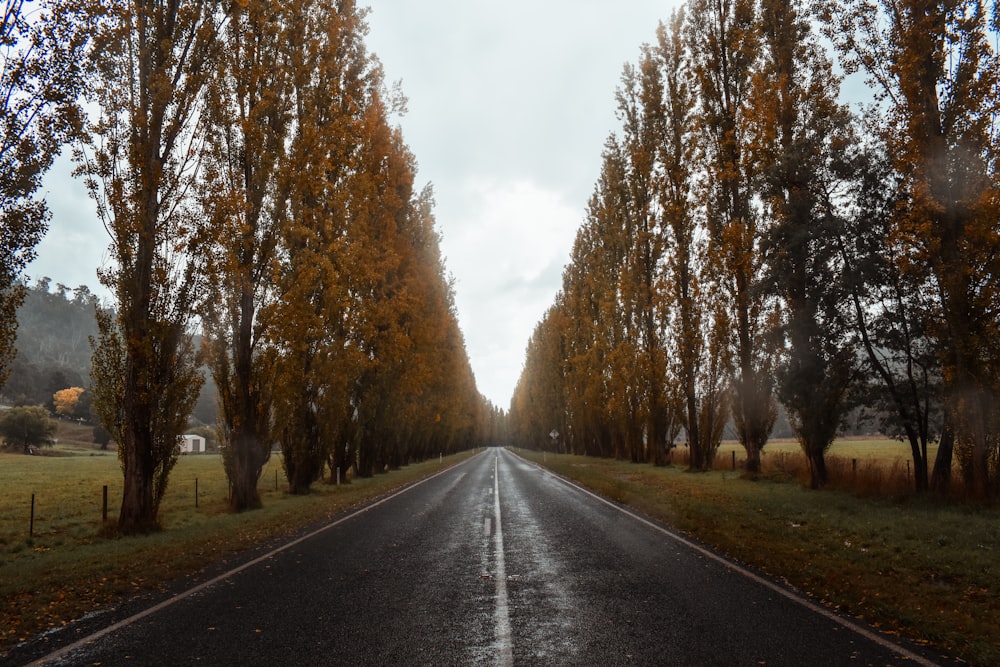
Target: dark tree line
[{"x": 784, "y": 248}]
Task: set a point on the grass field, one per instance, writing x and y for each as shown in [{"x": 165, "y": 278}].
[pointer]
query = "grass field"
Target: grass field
[
  {"x": 66, "y": 569},
  {"x": 920, "y": 567}
]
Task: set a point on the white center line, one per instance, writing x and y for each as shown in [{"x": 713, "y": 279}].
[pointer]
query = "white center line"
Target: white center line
[
  {"x": 486, "y": 527},
  {"x": 501, "y": 615}
]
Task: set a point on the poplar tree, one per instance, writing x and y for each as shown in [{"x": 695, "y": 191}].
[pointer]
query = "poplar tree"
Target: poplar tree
[
  {"x": 599, "y": 276},
  {"x": 436, "y": 407},
  {"x": 537, "y": 404},
  {"x": 588, "y": 295},
  {"x": 149, "y": 67},
  {"x": 723, "y": 38},
  {"x": 378, "y": 289},
  {"x": 640, "y": 108},
  {"x": 802, "y": 143},
  {"x": 248, "y": 111},
  {"x": 313, "y": 366},
  {"x": 698, "y": 384}
]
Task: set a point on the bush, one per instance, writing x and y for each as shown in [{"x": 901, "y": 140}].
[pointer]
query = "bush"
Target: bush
[{"x": 27, "y": 427}]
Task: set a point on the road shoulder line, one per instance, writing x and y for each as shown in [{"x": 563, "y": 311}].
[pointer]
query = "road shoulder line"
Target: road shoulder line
[
  {"x": 80, "y": 643},
  {"x": 753, "y": 576}
]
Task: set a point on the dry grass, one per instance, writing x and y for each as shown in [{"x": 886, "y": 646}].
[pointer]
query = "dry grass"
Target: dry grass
[
  {"x": 66, "y": 569},
  {"x": 869, "y": 467},
  {"x": 916, "y": 566}
]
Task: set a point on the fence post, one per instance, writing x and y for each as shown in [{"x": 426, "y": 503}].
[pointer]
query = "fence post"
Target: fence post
[
  {"x": 734, "y": 459},
  {"x": 31, "y": 526},
  {"x": 104, "y": 504},
  {"x": 338, "y": 475},
  {"x": 854, "y": 467}
]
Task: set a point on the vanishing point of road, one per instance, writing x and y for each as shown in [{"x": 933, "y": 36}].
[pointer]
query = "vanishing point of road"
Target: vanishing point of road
[{"x": 492, "y": 562}]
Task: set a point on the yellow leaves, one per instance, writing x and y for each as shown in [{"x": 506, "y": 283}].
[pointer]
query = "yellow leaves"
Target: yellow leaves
[{"x": 65, "y": 400}]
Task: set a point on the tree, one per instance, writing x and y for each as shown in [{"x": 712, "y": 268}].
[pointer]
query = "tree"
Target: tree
[
  {"x": 589, "y": 305},
  {"x": 248, "y": 109},
  {"x": 698, "y": 367},
  {"x": 936, "y": 75},
  {"x": 54, "y": 330},
  {"x": 537, "y": 404},
  {"x": 102, "y": 437},
  {"x": 26, "y": 427},
  {"x": 891, "y": 317},
  {"x": 65, "y": 400},
  {"x": 381, "y": 289},
  {"x": 594, "y": 328},
  {"x": 640, "y": 107},
  {"x": 802, "y": 142},
  {"x": 149, "y": 67},
  {"x": 38, "y": 86},
  {"x": 314, "y": 365},
  {"x": 723, "y": 39}
]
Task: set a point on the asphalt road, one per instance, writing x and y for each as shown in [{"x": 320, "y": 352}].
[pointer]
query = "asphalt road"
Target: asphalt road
[{"x": 492, "y": 562}]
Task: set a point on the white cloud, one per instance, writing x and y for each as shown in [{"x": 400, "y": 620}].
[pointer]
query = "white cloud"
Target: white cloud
[
  {"x": 76, "y": 242},
  {"x": 507, "y": 253}
]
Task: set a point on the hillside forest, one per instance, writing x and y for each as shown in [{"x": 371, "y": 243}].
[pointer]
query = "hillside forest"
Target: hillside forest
[{"x": 753, "y": 241}]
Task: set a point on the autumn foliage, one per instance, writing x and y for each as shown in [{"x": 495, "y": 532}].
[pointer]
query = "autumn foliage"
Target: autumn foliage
[{"x": 242, "y": 160}]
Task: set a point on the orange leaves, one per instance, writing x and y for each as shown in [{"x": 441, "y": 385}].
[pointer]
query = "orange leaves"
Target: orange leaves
[{"x": 65, "y": 400}]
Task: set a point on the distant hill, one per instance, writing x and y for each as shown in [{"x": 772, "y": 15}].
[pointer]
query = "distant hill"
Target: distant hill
[
  {"x": 53, "y": 351},
  {"x": 54, "y": 327}
]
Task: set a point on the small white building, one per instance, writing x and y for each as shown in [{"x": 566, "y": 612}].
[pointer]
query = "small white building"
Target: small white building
[{"x": 192, "y": 444}]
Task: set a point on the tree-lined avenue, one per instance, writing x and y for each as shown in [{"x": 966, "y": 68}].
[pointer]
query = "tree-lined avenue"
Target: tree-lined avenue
[{"x": 494, "y": 561}]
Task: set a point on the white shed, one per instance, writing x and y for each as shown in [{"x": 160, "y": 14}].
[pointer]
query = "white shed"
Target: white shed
[{"x": 192, "y": 444}]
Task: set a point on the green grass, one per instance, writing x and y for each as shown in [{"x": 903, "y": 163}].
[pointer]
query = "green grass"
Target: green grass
[
  {"x": 923, "y": 568},
  {"x": 67, "y": 568}
]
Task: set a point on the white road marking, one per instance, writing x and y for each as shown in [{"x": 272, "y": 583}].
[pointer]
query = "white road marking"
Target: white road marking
[
  {"x": 794, "y": 597},
  {"x": 64, "y": 651},
  {"x": 486, "y": 527},
  {"x": 501, "y": 615}
]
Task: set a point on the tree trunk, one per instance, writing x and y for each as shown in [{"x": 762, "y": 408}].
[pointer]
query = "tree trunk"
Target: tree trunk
[
  {"x": 138, "y": 510},
  {"x": 753, "y": 459},
  {"x": 941, "y": 476},
  {"x": 691, "y": 403},
  {"x": 246, "y": 465},
  {"x": 919, "y": 451},
  {"x": 818, "y": 476},
  {"x": 250, "y": 454}
]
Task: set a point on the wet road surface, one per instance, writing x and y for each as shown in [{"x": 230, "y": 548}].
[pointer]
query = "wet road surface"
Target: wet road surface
[{"x": 492, "y": 562}]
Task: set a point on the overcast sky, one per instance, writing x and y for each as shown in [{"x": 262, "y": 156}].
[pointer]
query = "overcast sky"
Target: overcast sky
[{"x": 509, "y": 107}]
